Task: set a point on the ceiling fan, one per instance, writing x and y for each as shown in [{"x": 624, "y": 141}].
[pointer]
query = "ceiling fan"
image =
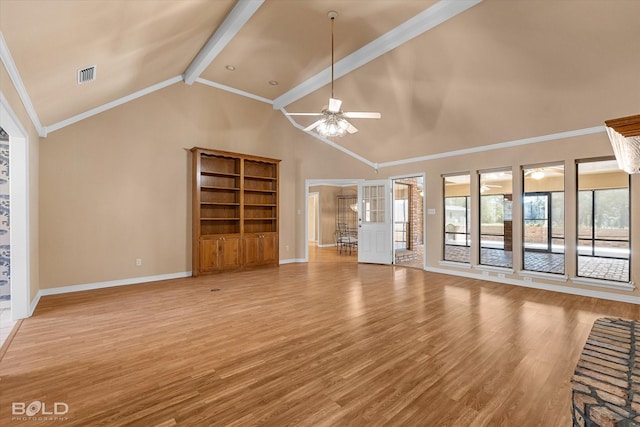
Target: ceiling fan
[
  {"x": 539, "y": 173},
  {"x": 487, "y": 187},
  {"x": 334, "y": 121}
]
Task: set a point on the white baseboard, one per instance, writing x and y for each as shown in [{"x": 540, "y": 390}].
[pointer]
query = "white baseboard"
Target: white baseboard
[
  {"x": 540, "y": 285},
  {"x": 291, "y": 260},
  {"x": 101, "y": 285},
  {"x": 34, "y": 303},
  {"x": 327, "y": 245}
]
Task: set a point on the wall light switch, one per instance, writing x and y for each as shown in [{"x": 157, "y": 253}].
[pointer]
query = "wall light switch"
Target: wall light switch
[{"x": 431, "y": 211}]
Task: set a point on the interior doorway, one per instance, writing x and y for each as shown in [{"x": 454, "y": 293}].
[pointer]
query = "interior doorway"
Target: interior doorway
[
  {"x": 5, "y": 239},
  {"x": 334, "y": 202},
  {"x": 19, "y": 212},
  {"x": 408, "y": 221},
  {"x": 313, "y": 213}
]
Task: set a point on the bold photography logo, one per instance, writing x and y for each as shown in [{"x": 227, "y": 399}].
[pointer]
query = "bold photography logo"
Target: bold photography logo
[{"x": 38, "y": 409}]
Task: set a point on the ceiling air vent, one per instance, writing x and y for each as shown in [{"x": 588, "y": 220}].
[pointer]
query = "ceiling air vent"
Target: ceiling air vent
[{"x": 86, "y": 74}]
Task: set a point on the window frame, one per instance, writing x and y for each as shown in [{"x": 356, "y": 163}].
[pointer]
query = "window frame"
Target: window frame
[
  {"x": 467, "y": 218},
  {"x": 507, "y": 206},
  {"x": 578, "y": 254}
]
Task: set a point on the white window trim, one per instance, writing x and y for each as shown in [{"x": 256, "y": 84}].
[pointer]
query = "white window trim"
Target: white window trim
[
  {"x": 542, "y": 275},
  {"x": 483, "y": 267},
  {"x": 455, "y": 264},
  {"x": 623, "y": 286}
]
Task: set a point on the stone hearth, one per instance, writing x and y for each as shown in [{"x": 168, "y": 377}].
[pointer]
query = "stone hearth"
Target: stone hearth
[{"x": 606, "y": 382}]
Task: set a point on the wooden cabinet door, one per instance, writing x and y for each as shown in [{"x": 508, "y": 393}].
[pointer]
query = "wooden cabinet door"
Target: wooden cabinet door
[
  {"x": 269, "y": 248},
  {"x": 209, "y": 255},
  {"x": 251, "y": 250},
  {"x": 231, "y": 252}
]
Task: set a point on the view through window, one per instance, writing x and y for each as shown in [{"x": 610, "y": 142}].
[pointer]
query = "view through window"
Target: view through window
[
  {"x": 457, "y": 218},
  {"x": 603, "y": 221},
  {"x": 543, "y": 219},
  {"x": 496, "y": 232}
]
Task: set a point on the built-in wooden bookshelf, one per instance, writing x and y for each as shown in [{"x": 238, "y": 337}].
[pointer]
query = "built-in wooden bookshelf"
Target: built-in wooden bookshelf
[{"x": 235, "y": 210}]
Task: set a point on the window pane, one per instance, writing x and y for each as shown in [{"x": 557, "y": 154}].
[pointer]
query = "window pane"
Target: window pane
[
  {"x": 603, "y": 221},
  {"x": 373, "y": 201},
  {"x": 557, "y": 214},
  {"x": 457, "y": 218},
  {"x": 543, "y": 219},
  {"x": 496, "y": 245},
  {"x": 612, "y": 214}
]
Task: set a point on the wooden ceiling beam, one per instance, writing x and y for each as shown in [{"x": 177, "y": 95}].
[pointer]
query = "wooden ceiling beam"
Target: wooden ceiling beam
[
  {"x": 422, "y": 22},
  {"x": 626, "y": 126},
  {"x": 239, "y": 15}
]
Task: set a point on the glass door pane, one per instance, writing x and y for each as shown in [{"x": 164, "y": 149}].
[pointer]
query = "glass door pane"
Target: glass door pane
[
  {"x": 457, "y": 218},
  {"x": 603, "y": 221},
  {"x": 496, "y": 226},
  {"x": 543, "y": 219}
]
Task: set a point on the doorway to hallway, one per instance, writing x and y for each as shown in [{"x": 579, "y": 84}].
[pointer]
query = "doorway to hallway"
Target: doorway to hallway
[
  {"x": 6, "y": 323},
  {"x": 408, "y": 221}
]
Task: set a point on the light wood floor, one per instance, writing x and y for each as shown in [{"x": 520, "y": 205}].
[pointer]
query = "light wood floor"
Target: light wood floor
[{"x": 324, "y": 343}]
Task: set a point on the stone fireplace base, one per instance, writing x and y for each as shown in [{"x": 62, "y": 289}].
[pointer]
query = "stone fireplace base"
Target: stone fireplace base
[{"x": 606, "y": 382}]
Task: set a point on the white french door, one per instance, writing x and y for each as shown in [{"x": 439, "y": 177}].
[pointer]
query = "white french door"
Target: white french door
[{"x": 374, "y": 222}]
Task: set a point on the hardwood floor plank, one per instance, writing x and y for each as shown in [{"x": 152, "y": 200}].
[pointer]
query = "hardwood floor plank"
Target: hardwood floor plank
[{"x": 331, "y": 342}]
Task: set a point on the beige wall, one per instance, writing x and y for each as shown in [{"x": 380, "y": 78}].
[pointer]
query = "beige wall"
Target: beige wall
[
  {"x": 8, "y": 90},
  {"x": 567, "y": 150},
  {"x": 116, "y": 187}
]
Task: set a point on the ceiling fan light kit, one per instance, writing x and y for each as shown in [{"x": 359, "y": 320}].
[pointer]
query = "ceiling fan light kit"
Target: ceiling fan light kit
[
  {"x": 334, "y": 121},
  {"x": 624, "y": 134},
  {"x": 537, "y": 174}
]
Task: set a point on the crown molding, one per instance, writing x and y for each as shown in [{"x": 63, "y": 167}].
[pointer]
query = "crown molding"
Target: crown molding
[
  {"x": 109, "y": 105},
  {"x": 233, "y": 90},
  {"x": 12, "y": 70},
  {"x": 498, "y": 146},
  {"x": 422, "y": 22},
  {"x": 235, "y": 20}
]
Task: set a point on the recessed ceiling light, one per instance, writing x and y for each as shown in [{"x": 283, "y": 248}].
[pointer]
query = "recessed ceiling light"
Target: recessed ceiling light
[
  {"x": 273, "y": 82},
  {"x": 230, "y": 67}
]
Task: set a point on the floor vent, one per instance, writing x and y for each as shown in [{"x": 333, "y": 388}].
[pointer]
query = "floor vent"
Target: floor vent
[{"x": 86, "y": 74}]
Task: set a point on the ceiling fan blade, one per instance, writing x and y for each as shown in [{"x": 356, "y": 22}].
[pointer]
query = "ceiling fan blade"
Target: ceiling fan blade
[
  {"x": 313, "y": 125},
  {"x": 362, "y": 115},
  {"x": 303, "y": 114},
  {"x": 352, "y": 128},
  {"x": 334, "y": 105}
]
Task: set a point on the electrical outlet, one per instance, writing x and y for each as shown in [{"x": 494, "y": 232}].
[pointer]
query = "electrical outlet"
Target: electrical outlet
[
  {"x": 501, "y": 275},
  {"x": 485, "y": 273},
  {"x": 138, "y": 262},
  {"x": 528, "y": 279}
]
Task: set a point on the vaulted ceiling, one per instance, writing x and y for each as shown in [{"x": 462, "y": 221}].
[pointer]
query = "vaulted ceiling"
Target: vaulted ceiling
[{"x": 446, "y": 75}]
